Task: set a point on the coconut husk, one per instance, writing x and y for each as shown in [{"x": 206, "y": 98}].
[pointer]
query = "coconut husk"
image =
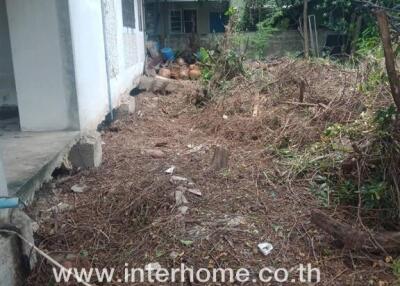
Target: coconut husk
[
  {"x": 184, "y": 73},
  {"x": 175, "y": 70},
  {"x": 194, "y": 67},
  {"x": 194, "y": 74},
  {"x": 180, "y": 61}
]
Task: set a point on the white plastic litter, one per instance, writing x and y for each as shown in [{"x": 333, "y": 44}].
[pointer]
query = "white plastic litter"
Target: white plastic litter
[
  {"x": 171, "y": 170},
  {"x": 265, "y": 248}
]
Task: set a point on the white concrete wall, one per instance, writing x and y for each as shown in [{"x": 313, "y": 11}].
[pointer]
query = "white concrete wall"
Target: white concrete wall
[
  {"x": 131, "y": 54},
  {"x": 59, "y": 61},
  {"x": 89, "y": 58},
  {"x": 89, "y": 61},
  {"x": 45, "y": 96},
  {"x": 8, "y": 95}
]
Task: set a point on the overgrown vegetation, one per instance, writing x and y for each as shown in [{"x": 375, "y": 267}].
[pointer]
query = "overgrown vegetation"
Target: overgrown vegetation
[
  {"x": 225, "y": 62},
  {"x": 353, "y": 162}
]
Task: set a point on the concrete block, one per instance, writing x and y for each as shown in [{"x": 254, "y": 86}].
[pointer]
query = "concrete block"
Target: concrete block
[
  {"x": 87, "y": 153},
  {"x": 122, "y": 112},
  {"x": 24, "y": 223},
  {"x": 10, "y": 263},
  {"x": 131, "y": 105},
  {"x": 146, "y": 83}
]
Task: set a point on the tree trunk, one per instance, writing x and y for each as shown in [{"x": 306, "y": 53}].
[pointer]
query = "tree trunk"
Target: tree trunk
[
  {"x": 394, "y": 80},
  {"x": 305, "y": 28}
]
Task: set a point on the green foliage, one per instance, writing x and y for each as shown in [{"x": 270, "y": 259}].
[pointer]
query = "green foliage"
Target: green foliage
[
  {"x": 385, "y": 117},
  {"x": 204, "y": 57},
  {"x": 256, "y": 12},
  {"x": 373, "y": 193},
  {"x": 375, "y": 78},
  {"x": 264, "y": 18},
  {"x": 232, "y": 11},
  {"x": 341, "y": 16},
  {"x": 265, "y": 30},
  {"x": 369, "y": 43},
  {"x": 396, "y": 268},
  {"x": 322, "y": 190},
  {"x": 224, "y": 62},
  {"x": 333, "y": 130},
  {"x": 342, "y": 174}
]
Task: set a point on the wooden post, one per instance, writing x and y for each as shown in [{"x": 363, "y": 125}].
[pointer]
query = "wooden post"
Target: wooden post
[
  {"x": 302, "y": 89},
  {"x": 394, "y": 80},
  {"x": 305, "y": 28},
  {"x": 220, "y": 158}
]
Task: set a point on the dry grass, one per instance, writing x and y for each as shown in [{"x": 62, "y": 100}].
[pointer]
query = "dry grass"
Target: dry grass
[
  {"x": 330, "y": 97},
  {"x": 128, "y": 214}
]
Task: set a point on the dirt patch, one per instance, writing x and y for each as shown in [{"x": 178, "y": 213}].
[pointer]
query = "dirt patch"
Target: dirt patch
[{"x": 129, "y": 213}]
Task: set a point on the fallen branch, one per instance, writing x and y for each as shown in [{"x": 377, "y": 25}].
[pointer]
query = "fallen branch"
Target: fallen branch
[
  {"x": 355, "y": 239},
  {"x": 306, "y": 104}
]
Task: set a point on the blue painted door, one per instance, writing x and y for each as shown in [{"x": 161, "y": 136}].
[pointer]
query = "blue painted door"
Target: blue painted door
[{"x": 217, "y": 22}]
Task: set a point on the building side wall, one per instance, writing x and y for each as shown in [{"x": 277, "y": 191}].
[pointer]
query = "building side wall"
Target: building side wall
[
  {"x": 290, "y": 42},
  {"x": 125, "y": 50},
  {"x": 158, "y": 20}
]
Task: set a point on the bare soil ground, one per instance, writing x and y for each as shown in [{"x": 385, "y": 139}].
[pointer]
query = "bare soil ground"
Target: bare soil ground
[{"x": 129, "y": 214}]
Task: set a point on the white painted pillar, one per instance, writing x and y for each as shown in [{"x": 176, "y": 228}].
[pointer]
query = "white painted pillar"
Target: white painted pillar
[
  {"x": 43, "y": 65},
  {"x": 89, "y": 61}
]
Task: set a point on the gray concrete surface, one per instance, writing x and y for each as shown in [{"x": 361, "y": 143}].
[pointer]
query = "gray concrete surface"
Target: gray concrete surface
[
  {"x": 10, "y": 264},
  {"x": 29, "y": 158},
  {"x": 24, "y": 223}
]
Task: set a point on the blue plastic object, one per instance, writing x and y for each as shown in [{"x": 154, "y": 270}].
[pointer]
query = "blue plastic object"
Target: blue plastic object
[
  {"x": 9, "y": 203},
  {"x": 168, "y": 54}
]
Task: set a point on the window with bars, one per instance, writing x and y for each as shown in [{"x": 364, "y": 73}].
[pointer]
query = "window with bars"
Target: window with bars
[
  {"x": 176, "y": 21},
  {"x": 183, "y": 21},
  {"x": 190, "y": 21},
  {"x": 128, "y": 13}
]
